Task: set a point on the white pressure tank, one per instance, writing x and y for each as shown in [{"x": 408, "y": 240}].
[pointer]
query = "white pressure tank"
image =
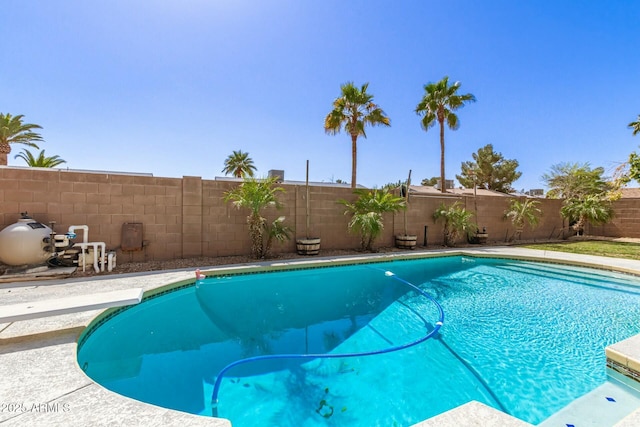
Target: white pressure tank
[{"x": 23, "y": 243}]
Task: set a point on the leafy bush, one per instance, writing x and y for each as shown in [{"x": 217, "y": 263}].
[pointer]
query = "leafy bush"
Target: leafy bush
[
  {"x": 366, "y": 214},
  {"x": 257, "y": 195},
  {"x": 457, "y": 220},
  {"x": 522, "y": 212}
]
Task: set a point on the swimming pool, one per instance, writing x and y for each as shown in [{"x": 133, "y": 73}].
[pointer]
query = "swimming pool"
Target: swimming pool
[{"x": 523, "y": 337}]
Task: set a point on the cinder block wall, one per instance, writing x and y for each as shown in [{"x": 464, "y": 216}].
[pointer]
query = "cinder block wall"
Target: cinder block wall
[
  {"x": 491, "y": 215},
  {"x": 488, "y": 214},
  {"x": 625, "y": 223},
  {"x": 326, "y": 215},
  {"x": 187, "y": 217},
  {"x": 103, "y": 202}
]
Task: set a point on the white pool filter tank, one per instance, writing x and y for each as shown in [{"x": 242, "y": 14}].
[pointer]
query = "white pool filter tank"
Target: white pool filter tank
[{"x": 23, "y": 243}]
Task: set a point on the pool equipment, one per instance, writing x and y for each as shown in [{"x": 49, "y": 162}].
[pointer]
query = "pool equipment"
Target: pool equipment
[
  {"x": 29, "y": 242},
  {"x": 432, "y": 333},
  {"x": 93, "y": 252}
]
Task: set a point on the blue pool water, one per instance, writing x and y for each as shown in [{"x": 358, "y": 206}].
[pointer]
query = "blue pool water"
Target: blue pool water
[{"x": 523, "y": 337}]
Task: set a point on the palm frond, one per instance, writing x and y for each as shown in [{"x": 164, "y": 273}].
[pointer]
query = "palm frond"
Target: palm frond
[
  {"x": 14, "y": 131},
  {"x": 456, "y": 219},
  {"x": 635, "y": 126},
  {"x": 239, "y": 165},
  {"x": 41, "y": 161}
]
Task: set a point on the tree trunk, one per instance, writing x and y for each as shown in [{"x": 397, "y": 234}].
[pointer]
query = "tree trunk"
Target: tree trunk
[
  {"x": 256, "y": 225},
  {"x": 354, "y": 159},
  {"x": 518, "y": 233},
  {"x": 442, "y": 181},
  {"x": 448, "y": 237},
  {"x": 5, "y": 149}
]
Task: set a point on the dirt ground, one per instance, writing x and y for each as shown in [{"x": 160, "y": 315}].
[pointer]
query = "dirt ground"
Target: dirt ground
[{"x": 200, "y": 262}]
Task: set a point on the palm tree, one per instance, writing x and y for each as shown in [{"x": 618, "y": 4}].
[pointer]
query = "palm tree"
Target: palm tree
[
  {"x": 354, "y": 110},
  {"x": 366, "y": 213},
  {"x": 523, "y": 212},
  {"x": 13, "y": 131},
  {"x": 594, "y": 209},
  {"x": 635, "y": 126},
  {"x": 41, "y": 161},
  {"x": 456, "y": 221},
  {"x": 257, "y": 195},
  {"x": 239, "y": 164},
  {"x": 439, "y": 102}
]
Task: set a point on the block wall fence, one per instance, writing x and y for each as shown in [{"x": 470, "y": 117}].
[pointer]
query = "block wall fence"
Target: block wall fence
[{"x": 187, "y": 217}]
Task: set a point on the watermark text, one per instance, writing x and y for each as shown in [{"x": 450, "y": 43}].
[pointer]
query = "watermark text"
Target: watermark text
[{"x": 24, "y": 407}]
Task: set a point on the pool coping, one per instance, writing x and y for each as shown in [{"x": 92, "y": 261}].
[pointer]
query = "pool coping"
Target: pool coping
[{"x": 43, "y": 384}]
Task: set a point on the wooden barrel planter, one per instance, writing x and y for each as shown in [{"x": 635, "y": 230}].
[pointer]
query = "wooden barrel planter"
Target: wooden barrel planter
[
  {"x": 478, "y": 238},
  {"x": 406, "y": 241},
  {"x": 482, "y": 238},
  {"x": 309, "y": 246}
]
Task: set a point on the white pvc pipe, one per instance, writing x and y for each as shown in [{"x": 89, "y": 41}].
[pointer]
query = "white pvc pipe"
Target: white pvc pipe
[
  {"x": 85, "y": 241},
  {"x": 110, "y": 261},
  {"x": 102, "y": 246},
  {"x": 82, "y": 246},
  {"x": 84, "y": 228}
]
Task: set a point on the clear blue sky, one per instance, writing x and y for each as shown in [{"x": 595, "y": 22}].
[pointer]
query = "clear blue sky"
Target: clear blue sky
[{"x": 173, "y": 87}]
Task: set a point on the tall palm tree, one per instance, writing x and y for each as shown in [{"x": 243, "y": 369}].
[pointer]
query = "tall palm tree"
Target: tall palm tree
[
  {"x": 438, "y": 104},
  {"x": 41, "y": 161},
  {"x": 13, "y": 131},
  {"x": 354, "y": 109},
  {"x": 635, "y": 126},
  {"x": 239, "y": 164}
]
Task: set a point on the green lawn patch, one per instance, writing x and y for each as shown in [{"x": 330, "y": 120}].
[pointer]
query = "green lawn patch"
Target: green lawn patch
[{"x": 602, "y": 248}]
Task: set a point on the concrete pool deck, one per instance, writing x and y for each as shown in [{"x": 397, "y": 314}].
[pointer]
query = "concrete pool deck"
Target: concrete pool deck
[{"x": 42, "y": 383}]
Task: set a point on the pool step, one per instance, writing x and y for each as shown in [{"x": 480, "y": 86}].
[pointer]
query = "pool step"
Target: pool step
[{"x": 602, "y": 407}]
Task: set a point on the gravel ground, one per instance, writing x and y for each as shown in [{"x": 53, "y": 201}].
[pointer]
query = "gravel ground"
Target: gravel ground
[{"x": 136, "y": 267}]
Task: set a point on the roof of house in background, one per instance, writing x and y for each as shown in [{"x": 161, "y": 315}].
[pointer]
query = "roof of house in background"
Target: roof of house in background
[
  {"x": 426, "y": 190},
  {"x": 291, "y": 182},
  {"x": 630, "y": 193}
]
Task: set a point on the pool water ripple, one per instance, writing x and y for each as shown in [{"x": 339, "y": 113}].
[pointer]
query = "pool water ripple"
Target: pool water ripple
[{"x": 524, "y": 336}]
